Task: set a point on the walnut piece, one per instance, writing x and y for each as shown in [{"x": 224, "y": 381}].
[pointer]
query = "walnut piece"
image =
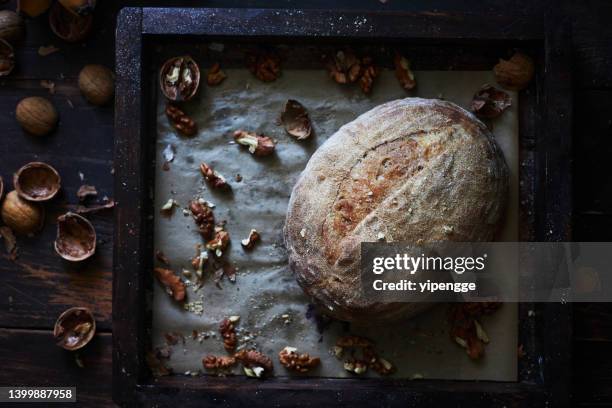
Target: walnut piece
[
  {"x": 295, "y": 120},
  {"x": 253, "y": 359},
  {"x": 515, "y": 73},
  {"x": 293, "y": 361},
  {"x": 228, "y": 333},
  {"x": 212, "y": 177},
  {"x": 203, "y": 217},
  {"x": 180, "y": 121},
  {"x": 265, "y": 66},
  {"x": 368, "y": 75},
  {"x": 173, "y": 284},
  {"x": 490, "y": 102},
  {"x": 344, "y": 67},
  {"x": 465, "y": 330},
  {"x": 162, "y": 258},
  {"x": 403, "y": 73},
  {"x": 250, "y": 241},
  {"x": 215, "y": 76},
  {"x": 353, "y": 341},
  {"x": 368, "y": 357},
  {"x": 211, "y": 362},
  {"x": 259, "y": 145},
  {"x": 219, "y": 242}
]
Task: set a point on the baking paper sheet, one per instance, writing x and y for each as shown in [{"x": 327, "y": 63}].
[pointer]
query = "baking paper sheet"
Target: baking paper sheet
[{"x": 265, "y": 290}]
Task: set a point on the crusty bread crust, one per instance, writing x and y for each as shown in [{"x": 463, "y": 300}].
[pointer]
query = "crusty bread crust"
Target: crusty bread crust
[{"x": 409, "y": 170}]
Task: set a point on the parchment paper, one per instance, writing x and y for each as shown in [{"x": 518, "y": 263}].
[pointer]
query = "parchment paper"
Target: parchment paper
[{"x": 265, "y": 289}]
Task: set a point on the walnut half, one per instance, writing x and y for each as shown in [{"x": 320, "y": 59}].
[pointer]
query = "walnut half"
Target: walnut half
[{"x": 301, "y": 363}]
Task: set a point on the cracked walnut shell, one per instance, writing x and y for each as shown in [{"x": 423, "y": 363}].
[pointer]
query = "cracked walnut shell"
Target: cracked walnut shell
[
  {"x": 37, "y": 181},
  {"x": 7, "y": 58},
  {"x": 301, "y": 363},
  {"x": 75, "y": 328},
  {"x": 179, "y": 78},
  {"x": 68, "y": 26},
  {"x": 76, "y": 237},
  {"x": 295, "y": 120}
]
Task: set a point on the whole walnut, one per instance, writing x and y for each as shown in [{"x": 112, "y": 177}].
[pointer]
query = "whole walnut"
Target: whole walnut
[
  {"x": 36, "y": 115},
  {"x": 22, "y": 216},
  {"x": 516, "y": 73},
  {"x": 97, "y": 84},
  {"x": 12, "y": 28}
]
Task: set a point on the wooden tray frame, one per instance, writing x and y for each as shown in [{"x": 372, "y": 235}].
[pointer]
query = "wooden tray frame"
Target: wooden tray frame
[{"x": 545, "y": 212}]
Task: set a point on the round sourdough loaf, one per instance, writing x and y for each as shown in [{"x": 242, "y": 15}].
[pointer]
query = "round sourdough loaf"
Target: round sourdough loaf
[{"x": 408, "y": 170}]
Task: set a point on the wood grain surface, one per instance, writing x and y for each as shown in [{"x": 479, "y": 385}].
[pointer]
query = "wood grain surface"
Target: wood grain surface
[{"x": 39, "y": 285}]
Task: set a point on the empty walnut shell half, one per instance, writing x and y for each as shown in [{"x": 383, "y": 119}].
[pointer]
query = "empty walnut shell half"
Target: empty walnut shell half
[
  {"x": 68, "y": 26},
  {"x": 76, "y": 237},
  {"x": 74, "y": 328},
  {"x": 179, "y": 78},
  {"x": 7, "y": 58},
  {"x": 37, "y": 181},
  {"x": 295, "y": 120}
]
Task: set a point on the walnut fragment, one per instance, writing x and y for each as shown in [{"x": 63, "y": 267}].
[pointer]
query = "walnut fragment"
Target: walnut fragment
[
  {"x": 181, "y": 121},
  {"x": 228, "y": 333},
  {"x": 490, "y": 102},
  {"x": 294, "y": 361},
  {"x": 219, "y": 242},
  {"x": 215, "y": 75},
  {"x": 203, "y": 218},
  {"x": 264, "y": 65},
  {"x": 516, "y": 73},
  {"x": 256, "y": 364},
  {"x": 251, "y": 240},
  {"x": 362, "y": 356},
  {"x": 403, "y": 73},
  {"x": 211, "y": 362},
  {"x": 259, "y": 145},
  {"x": 368, "y": 75},
  {"x": 172, "y": 283},
  {"x": 466, "y": 331},
  {"x": 344, "y": 67},
  {"x": 86, "y": 191},
  {"x": 213, "y": 177}
]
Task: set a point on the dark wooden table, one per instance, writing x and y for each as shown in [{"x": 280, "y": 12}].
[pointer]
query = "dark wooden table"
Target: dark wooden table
[{"x": 38, "y": 286}]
